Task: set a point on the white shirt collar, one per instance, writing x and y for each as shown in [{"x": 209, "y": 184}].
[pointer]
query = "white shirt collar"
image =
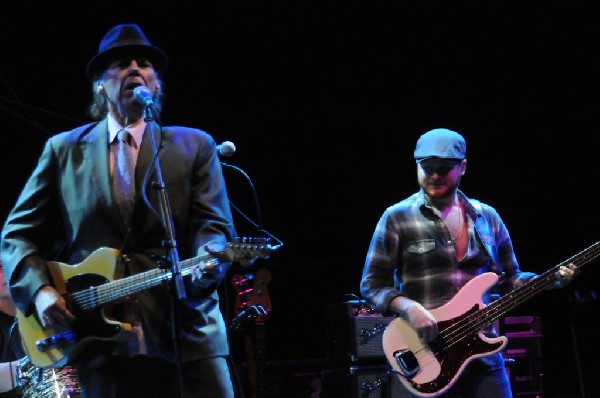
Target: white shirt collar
[{"x": 136, "y": 129}]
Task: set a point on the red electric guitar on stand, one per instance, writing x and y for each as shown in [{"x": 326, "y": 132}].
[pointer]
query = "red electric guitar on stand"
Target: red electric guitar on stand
[{"x": 253, "y": 304}]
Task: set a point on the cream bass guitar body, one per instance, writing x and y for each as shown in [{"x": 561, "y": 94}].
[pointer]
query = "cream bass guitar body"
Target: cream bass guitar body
[{"x": 430, "y": 369}]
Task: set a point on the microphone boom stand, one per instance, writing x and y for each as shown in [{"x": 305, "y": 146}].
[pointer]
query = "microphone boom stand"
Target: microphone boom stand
[{"x": 178, "y": 288}]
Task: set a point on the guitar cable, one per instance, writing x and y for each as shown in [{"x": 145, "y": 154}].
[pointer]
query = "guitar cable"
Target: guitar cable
[
  {"x": 259, "y": 223},
  {"x": 257, "y": 311}
]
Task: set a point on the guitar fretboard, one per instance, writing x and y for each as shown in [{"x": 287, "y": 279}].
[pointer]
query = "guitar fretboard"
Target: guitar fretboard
[
  {"x": 477, "y": 320},
  {"x": 96, "y": 296}
]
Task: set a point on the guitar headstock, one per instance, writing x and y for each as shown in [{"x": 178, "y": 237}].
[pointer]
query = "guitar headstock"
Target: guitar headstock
[
  {"x": 259, "y": 295},
  {"x": 247, "y": 248},
  {"x": 252, "y": 298}
]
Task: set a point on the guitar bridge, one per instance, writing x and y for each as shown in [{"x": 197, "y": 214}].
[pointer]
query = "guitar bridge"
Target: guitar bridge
[
  {"x": 407, "y": 362},
  {"x": 56, "y": 341}
]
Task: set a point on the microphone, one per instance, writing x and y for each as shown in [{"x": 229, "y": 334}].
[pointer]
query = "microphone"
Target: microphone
[
  {"x": 143, "y": 95},
  {"x": 227, "y": 148}
]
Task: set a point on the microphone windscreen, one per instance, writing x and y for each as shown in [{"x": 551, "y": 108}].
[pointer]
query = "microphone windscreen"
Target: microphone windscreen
[
  {"x": 143, "y": 95},
  {"x": 227, "y": 148}
]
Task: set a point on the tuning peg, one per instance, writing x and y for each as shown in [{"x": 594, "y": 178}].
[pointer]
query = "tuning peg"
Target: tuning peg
[{"x": 252, "y": 240}]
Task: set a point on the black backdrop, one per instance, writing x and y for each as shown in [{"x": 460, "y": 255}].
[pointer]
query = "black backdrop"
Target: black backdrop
[{"x": 324, "y": 101}]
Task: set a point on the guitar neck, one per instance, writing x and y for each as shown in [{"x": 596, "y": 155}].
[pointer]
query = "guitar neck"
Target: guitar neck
[
  {"x": 518, "y": 296},
  {"x": 97, "y": 296}
]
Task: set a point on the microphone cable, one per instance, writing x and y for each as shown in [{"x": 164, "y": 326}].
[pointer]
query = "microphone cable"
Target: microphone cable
[{"x": 259, "y": 223}]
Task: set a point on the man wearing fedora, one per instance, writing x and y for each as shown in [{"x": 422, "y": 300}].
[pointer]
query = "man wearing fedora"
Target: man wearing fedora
[{"x": 68, "y": 209}]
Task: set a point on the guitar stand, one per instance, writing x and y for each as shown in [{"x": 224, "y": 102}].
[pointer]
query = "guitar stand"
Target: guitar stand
[{"x": 250, "y": 313}]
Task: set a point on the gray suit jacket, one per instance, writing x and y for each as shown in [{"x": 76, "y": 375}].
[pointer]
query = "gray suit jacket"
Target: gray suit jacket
[{"x": 65, "y": 212}]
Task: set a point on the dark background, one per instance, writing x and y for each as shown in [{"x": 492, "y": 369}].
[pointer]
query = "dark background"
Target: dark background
[{"x": 325, "y": 101}]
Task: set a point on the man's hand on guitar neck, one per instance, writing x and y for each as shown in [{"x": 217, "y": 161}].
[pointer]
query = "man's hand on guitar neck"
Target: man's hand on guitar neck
[
  {"x": 209, "y": 275},
  {"x": 243, "y": 253},
  {"x": 565, "y": 275},
  {"x": 420, "y": 318},
  {"x": 51, "y": 308}
]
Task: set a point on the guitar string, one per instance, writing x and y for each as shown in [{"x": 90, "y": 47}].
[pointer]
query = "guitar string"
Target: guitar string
[
  {"x": 544, "y": 280},
  {"x": 439, "y": 345},
  {"x": 549, "y": 276},
  {"x": 91, "y": 298},
  {"x": 474, "y": 322}
]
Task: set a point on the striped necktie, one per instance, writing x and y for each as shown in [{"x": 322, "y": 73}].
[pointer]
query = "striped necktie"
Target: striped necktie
[{"x": 124, "y": 178}]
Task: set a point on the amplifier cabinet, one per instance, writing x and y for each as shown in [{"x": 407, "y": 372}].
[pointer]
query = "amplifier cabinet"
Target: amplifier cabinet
[
  {"x": 355, "y": 334},
  {"x": 522, "y": 357},
  {"x": 523, "y": 354},
  {"x": 367, "y": 333},
  {"x": 363, "y": 382}
]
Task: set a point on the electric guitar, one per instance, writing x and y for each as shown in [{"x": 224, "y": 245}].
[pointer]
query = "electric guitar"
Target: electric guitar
[
  {"x": 254, "y": 303},
  {"x": 89, "y": 285},
  {"x": 429, "y": 369}
]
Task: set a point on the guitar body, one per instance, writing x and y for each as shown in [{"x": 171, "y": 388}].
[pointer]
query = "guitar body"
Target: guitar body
[
  {"x": 65, "y": 342},
  {"x": 438, "y": 368}
]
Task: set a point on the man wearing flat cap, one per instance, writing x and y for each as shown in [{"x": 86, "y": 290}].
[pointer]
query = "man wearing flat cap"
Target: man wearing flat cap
[
  {"x": 95, "y": 187},
  {"x": 424, "y": 249}
]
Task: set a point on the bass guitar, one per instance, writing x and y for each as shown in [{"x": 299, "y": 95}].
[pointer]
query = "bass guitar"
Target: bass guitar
[
  {"x": 429, "y": 369},
  {"x": 89, "y": 285}
]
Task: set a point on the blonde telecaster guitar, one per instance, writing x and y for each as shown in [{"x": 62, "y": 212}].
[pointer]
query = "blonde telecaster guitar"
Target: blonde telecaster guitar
[
  {"x": 429, "y": 369},
  {"x": 89, "y": 285}
]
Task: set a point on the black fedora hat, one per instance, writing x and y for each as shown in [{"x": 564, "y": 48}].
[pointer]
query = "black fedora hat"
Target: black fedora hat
[{"x": 126, "y": 40}]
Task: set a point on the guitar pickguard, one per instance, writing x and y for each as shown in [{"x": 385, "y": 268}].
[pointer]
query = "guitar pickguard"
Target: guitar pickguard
[{"x": 92, "y": 321}]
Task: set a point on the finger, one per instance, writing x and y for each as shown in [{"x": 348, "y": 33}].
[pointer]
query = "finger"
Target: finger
[
  {"x": 574, "y": 268},
  {"x": 56, "y": 319},
  {"x": 45, "y": 321},
  {"x": 567, "y": 272},
  {"x": 561, "y": 275},
  {"x": 69, "y": 315},
  {"x": 49, "y": 320}
]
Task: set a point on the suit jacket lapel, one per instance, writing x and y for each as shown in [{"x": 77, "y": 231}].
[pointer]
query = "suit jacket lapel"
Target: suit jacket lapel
[
  {"x": 145, "y": 158},
  {"x": 95, "y": 152}
]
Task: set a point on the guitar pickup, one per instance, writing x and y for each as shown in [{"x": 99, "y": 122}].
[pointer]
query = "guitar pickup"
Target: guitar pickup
[
  {"x": 56, "y": 341},
  {"x": 407, "y": 362}
]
